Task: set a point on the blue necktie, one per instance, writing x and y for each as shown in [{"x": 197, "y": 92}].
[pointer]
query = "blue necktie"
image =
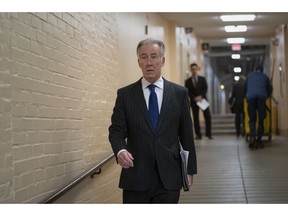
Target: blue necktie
[{"x": 153, "y": 106}]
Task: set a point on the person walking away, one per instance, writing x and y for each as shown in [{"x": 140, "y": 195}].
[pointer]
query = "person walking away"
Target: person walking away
[
  {"x": 237, "y": 98},
  {"x": 197, "y": 88},
  {"x": 257, "y": 88},
  {"x": 150, "y": 119}
]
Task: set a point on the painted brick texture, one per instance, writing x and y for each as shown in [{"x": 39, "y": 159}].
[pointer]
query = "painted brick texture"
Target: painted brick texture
[{"x": 58, "y": 78}]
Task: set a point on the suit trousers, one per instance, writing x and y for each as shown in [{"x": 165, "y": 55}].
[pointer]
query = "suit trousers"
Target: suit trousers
[
  {"x": 157, "y": 193},
  {"x": 239, "y": 122},
  {"x": 256, "y": 105},
  {"x": 207, "y": 117}
]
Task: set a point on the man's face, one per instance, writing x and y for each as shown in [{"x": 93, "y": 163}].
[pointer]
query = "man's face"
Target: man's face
[
  {"x": 194, "y": 70},
  {"x": 150, "y": 62}
]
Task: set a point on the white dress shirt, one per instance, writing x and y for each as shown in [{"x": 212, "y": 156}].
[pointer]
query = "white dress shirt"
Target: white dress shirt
[{"x": 159, "y": 91}]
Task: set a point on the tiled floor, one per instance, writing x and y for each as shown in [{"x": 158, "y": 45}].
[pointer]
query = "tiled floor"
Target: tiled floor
[{"x": 230, "y": 172}]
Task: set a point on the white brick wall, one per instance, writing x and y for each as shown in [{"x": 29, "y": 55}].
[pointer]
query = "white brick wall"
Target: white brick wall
[
  {"x": 6, "y": 153},
  {"x": 58, "y": 79}
]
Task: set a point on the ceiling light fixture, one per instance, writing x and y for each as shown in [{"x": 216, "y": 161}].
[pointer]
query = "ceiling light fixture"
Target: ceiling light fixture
[
  {"x": 236, "y": 40},
  {"x": 238, "y": 28},
  {"x": 235, "y": 56},
  {"x": 243, "y": 17},
  {"x": 237, "y": 69}
]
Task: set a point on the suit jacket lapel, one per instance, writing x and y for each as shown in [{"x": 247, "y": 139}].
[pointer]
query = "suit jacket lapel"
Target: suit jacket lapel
[{"x": 165, "y": 101}]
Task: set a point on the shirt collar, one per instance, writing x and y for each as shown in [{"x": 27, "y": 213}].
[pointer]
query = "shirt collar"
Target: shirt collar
[{"x": 159, "y": 83}]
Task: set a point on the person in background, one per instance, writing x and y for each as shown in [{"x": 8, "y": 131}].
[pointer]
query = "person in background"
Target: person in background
[
  {"x": 145, "y": 148},
  {"x": 257, "y": 88},
  {"x": 237, "y": 99},
  {"x": 197, "y": 88}
]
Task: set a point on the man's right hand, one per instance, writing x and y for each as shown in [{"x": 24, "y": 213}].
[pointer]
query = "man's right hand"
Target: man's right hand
[
  {"x": 198, "y": 98},
  {"x": 125, "y": 159}
]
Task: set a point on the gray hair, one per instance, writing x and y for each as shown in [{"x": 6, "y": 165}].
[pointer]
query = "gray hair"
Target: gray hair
[{"x": 151, "y": 41}]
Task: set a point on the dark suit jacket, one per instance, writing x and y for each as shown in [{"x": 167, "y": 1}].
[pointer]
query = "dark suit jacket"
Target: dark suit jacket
[
  {"x": 200, "y": 90},
  {"x": 238, "y": 97},
  {"x": 131, "y": 129}
]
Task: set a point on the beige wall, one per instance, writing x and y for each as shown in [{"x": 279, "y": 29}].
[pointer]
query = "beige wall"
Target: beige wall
[
  {"x": 174, "y": 69},
  {"x": 129, "y": 37},
  {"x": 280, "y": 87}
]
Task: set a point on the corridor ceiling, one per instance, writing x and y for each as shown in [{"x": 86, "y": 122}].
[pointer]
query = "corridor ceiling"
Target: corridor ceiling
[{"x": 210, "y": 29}]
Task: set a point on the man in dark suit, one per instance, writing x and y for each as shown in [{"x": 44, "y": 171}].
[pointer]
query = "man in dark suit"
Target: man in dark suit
[
  {"x": 149, "y": 156},
  {"x": 237, "y": 98},
  {"x": 197, "y": 88}
]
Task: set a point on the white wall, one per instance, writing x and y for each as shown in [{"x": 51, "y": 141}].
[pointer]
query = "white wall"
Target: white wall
[{"x": 58, "y": 73}]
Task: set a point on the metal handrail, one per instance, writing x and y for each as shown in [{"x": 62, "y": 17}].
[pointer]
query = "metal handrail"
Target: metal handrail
[{"x": 92, "y": 171}]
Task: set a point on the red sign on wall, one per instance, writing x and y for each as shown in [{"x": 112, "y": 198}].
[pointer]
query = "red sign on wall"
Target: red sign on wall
[{"x": 236, "y": 47}]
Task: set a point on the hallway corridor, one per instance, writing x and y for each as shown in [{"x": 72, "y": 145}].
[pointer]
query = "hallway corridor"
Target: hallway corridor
[{"x": 230, "y": 172}]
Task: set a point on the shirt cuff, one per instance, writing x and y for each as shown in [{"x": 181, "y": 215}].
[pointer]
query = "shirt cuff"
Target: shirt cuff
[{"x": 122, "y": 150}]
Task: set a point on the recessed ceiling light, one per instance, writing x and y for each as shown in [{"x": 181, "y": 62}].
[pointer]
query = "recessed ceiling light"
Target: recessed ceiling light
[
  {"x": 235, "y": 56},
  {"x": 243, "y": 17},
  {"x": 236, "y": 78},
  {"x": 235, "y": 40},
  {"x": 238, "y": 28},
  {"x": 237, "y": 69}
]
